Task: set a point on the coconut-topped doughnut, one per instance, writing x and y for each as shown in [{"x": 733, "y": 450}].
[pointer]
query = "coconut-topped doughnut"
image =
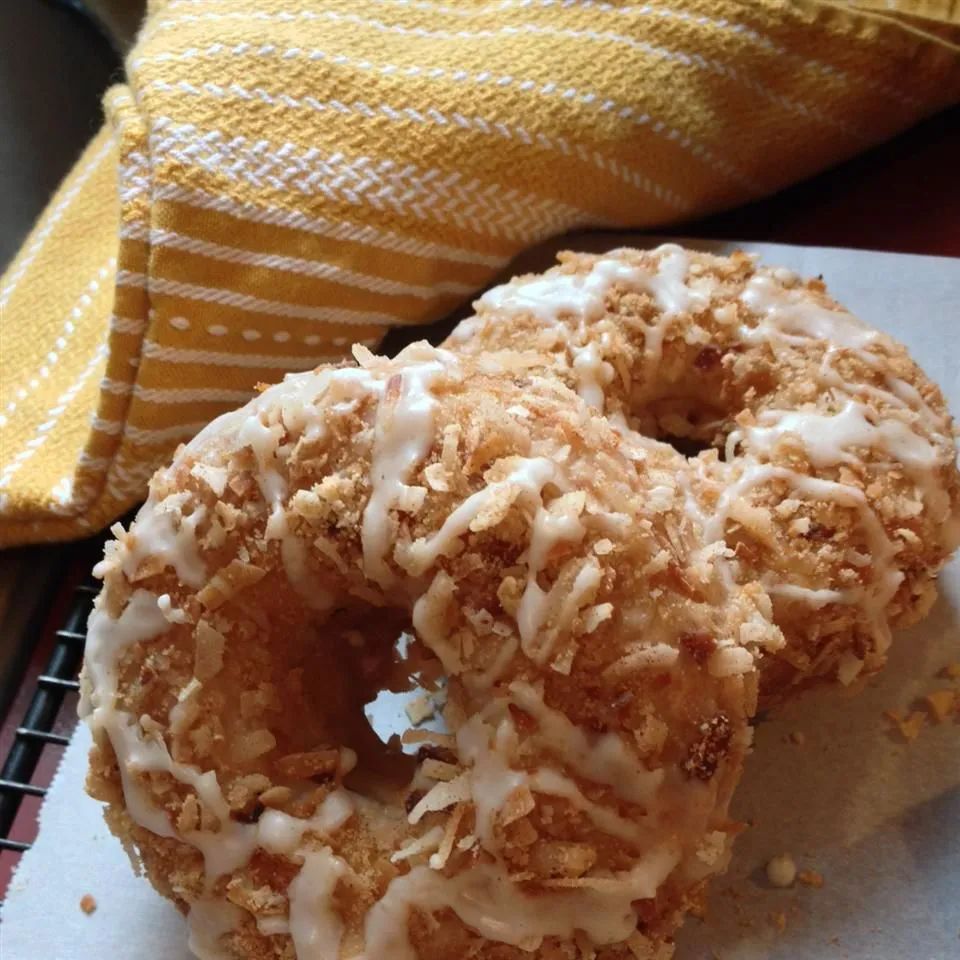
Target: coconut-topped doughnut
[
  {"x": 599, "y": 670},
  {"x": 834, "y": 477}
]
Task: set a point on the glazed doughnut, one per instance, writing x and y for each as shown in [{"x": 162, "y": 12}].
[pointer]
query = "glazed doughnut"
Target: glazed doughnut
[
  {"x": 833, "y": 476},
  {"x": 599, "y": 667}
]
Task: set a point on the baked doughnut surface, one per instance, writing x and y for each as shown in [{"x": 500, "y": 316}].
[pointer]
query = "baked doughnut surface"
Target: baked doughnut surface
[
  {"x": 599, "y": 664},
  {"x": 833, "y": 476}
]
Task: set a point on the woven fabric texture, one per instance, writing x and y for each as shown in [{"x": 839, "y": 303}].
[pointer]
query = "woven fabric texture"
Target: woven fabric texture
[{"x": 280, "y": 178}]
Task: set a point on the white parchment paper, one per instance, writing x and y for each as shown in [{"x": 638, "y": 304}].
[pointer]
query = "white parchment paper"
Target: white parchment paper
[{"x": 879, "y": 819}]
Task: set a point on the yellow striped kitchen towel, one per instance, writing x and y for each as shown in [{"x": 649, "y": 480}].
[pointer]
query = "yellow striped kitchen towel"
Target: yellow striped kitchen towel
[{"x": 280, "y": 178}]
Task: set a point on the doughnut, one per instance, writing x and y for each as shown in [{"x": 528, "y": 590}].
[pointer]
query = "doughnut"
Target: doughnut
[
  {"x": 830, "y": 469},
  {"x": 466, "y": 525}
]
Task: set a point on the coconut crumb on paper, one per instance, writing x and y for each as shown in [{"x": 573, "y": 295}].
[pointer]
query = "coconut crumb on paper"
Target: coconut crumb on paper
[
  {"x": 88, "y": 903},
  {"x": 781, "y": 870},
  {"x": 942, "y": 703},
  {"x": 811, "y": 878},
  {"x": 908, "y": 725},
  {"x": 420, "y": 709}
]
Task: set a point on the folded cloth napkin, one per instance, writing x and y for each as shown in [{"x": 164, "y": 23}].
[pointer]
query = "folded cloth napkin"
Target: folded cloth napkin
[{"x": 280, "y": 178}]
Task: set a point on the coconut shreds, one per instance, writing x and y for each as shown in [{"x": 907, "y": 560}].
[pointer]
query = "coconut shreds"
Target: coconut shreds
[
  {"x": 419, "y": 709},
  {"x": 440, "y": 796},
  {"x": 466, "y": 841},
  {"x": 909, "y": 725},
  {"x": 423, "y": 844},
  {"x": 439, "y": 860},
  {"x": 227, "y": 581},
  {"x": 429, "y": 736},
  {"x": 249, "y": 746},
  {"x": 941, "y": 703},
  {"x": 438, "y": 770},
  {"x": 208, "y": 654}
]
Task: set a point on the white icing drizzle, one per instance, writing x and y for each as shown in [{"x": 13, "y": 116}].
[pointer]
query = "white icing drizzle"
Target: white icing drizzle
[
  {"x": 207, "y": 922},
  {"x": 315, "y": 925},
  {"x": 602, "y": 758},
  {"x": 875, "y": 596},
  {"x": 488, "y": 744},
  {"x": 581, "y": 296},
  {"x": 791, "y": 316},
  {"x": 530, "y": 475},
  {"x": 487, "y": 901},
  {"x": 162, "y": 532},
  {"x": 827, "y": 438},
  {"x": 403, "y": 436}
]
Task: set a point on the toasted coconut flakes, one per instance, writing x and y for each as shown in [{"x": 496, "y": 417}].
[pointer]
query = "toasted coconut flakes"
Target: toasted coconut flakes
[
  {"x": 429, "y": 736},
  {"x": 941, "y": 703},
  {"x": 214, "y": 477},
  {"x": 602, "y": 547},
  {"x": 276, "y": 796},
  {"x": 799, "y": 527},
  {"x": 466, "y": 841},
  {"x": 496, "y": 506},
  {"x": 438, "y": 770},
  {"x": 227, "y": 581},
  {"x": 908, "y": 725},
  {"x": 523, "y": 876},
  {"x": 440, "y": 796},
  {"x": 481, "y": 620},
  {"x": 811, "y": 878},
  {"x": 189, "y": 817},
  {"x": 518, "y": 804},
  {"x": 563, "y": 661},
  {"x": 592, "y": 617},
  {"x": 364, "y": 356},
  {"x": 786, "y": 508},
  {"x": 88, "y": 903},
  {"x": 849, "y": 668},
  {"x": 426, "y": 843},
  {"x": 657, "y": 656},
  {"x": 227, "y": 513},
  {"x": 451, "y": 444},
  {"x": 411, "y": 499},
  {"x": 328, "y": 548},
  {"x": 712, "y": 847},
  {"x": 437, "y": 477},
  {"x": 557, "y": 858},
  {"x": 253, "y": 744},
  {"x": 419, "y": 709},
  {"x": 657, "y": 564},
  {"x": 304, "y": 766},
  {"x": 439, "y": 860},
  {"x": 729, "y": 662},
  {"x": 208, "y": 653},
  {"x": 651, "y": 736},
  {"x": 779, "y": 921}
]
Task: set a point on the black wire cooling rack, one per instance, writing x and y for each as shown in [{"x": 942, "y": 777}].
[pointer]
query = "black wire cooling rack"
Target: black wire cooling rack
[{"x": 36, "y": 730}]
